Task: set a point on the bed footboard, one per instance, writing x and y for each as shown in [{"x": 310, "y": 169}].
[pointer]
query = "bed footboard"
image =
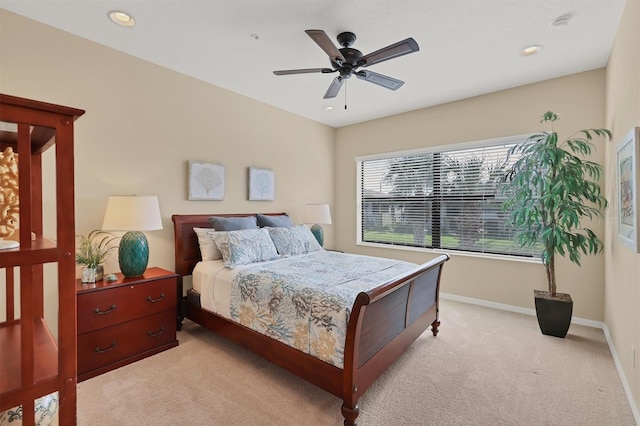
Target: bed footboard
[{"x": 383, "y": 323}]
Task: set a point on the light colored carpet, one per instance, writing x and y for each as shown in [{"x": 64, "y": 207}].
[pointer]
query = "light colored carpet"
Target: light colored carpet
[{"x": 485, "y": 367}]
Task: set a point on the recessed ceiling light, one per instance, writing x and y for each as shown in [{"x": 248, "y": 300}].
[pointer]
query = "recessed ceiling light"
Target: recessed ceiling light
[
  {"x": 328, "y": 108},
  {"x": 121, "y": 18},
  {"x": 531, "y": 50}
]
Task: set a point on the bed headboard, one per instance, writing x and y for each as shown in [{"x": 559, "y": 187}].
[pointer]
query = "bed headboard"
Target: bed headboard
[{"x": 187, "y": 250}]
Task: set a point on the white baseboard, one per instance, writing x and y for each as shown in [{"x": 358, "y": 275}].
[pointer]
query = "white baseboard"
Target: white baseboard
[
  {"x": 625, "y": 383},
  {"x": 574, "y": 320}
]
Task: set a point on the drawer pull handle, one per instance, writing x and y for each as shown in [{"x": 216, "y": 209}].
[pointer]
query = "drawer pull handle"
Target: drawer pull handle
[
  {"x": 155, "y": 333},
  {"x": 108, "y": 311},
  {"x": 149, "y": 299},
  {"x": 101, "y": 351}
]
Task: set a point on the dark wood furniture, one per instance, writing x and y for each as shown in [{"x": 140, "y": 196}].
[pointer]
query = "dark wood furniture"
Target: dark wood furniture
[
  {"x": 123, "y": 321},
  {"x": 32, "y": 362},
  {"x": 383, "y": 323}
]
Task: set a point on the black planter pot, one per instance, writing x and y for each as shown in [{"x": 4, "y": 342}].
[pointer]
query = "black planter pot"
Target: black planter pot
[{"x": 553, "y": 312}]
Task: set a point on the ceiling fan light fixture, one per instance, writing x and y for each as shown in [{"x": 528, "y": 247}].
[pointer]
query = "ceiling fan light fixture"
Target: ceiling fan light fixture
[
  {"x": 329, "y": 108},
  {"x": 121, "y": 18},
  {"x": 531, "y": 50}
]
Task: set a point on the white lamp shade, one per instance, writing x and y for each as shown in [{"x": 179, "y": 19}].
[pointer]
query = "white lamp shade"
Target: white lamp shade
[
  {"x": 132, "y": 213},
  {"x": 317, "y": 213}
]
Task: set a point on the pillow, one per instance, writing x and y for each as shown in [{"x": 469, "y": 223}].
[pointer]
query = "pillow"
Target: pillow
[
  {"x": 277, "y": 221},
  {"x": 208, "y": 248},
  {"x": 233, "y": 223},
  {"x": 245, "y": 246},
  {"x": 293, "y": 241}
]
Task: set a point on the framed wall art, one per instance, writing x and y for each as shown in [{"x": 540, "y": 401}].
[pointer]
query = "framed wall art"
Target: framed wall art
[
  {"x": 627, "y": 189},
  {"x": 261, "y": 184},
  {"x": 206, "y": 181}
]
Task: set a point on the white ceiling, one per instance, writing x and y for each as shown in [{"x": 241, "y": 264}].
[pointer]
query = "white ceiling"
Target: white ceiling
[{"x": 467, "y": 47}]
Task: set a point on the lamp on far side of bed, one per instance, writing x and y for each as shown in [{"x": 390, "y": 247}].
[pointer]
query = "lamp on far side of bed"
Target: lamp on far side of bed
[
  {"x": 317, "y": 214},
  {"x": 133, "y": 214}
]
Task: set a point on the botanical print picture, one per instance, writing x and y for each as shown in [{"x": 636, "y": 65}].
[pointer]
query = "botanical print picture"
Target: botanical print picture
[
  {"x": 627, "y": 168},
  {"x": 261, "y": 184},
  {"x": 206, "y": 181}
]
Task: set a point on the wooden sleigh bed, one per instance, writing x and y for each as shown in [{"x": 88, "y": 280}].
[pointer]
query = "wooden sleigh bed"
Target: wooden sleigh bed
[{"x": 383, "y": 322}]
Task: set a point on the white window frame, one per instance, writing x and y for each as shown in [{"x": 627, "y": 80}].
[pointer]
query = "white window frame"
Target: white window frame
[{"x": 428, "y": 150}]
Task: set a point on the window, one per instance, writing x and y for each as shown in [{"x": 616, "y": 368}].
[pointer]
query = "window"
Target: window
[{"x": 442, "y": 199}]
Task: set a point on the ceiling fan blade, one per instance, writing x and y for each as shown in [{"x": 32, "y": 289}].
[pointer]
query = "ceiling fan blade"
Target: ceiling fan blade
[
  {"x": 334, "y": 88},
  {"x": 325, "y": 43},
  {"x": 395, "y": 50},
  {"x": 380, "y": 80},
  {"x": 304, "y": 71}
]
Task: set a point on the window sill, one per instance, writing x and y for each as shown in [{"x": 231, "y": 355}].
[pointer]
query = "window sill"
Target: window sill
[{"x": 454, "y": 253}]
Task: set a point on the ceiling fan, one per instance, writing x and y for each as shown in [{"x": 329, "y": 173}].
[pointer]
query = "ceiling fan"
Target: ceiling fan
[{"x": 347, "y": 61}]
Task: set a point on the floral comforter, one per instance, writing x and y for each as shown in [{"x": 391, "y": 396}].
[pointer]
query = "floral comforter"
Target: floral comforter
[{"x": 305, "y": 301}]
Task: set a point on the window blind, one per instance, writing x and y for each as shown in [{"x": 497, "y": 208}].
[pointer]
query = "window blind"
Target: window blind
[{"x": 449, "y": 199}]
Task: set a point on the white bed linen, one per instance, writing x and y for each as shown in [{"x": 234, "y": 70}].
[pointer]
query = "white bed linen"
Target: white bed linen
[{"x": 213, "y": 281}]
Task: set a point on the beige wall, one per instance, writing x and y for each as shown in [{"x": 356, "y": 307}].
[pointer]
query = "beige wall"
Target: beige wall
[
  {"x": 622, "y": 266},
  {"x": 144, "y": 122},
  {"x": 580, "y": 101}
]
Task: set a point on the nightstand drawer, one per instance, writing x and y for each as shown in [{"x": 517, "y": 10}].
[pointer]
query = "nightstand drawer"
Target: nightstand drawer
[
  {"x": 103, "y": 347},
  {"x": 101, "y": 309}
]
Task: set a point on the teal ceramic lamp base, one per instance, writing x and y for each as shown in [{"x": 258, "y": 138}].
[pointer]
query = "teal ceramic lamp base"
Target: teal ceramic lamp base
[
  {"x": 133, "y": 254},
  {"x": 318, "y": 232}
]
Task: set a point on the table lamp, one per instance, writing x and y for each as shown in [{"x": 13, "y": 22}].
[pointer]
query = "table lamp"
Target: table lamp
[
  {"x": 133, "y": 214},
  {"x": 317, "y": 214}
]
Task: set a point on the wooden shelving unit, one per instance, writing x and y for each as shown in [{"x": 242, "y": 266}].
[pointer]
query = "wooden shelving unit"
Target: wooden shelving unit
[{"x": 32, "y": 362}]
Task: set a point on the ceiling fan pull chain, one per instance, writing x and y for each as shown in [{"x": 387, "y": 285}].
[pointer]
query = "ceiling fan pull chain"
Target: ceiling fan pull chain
[{"x": 345, "y": 95}]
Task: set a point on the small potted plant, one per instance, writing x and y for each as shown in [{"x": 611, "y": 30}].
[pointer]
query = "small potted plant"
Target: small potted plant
[
  {"x": 92, "y": 251},
  {"x": 551, "y": 190}
]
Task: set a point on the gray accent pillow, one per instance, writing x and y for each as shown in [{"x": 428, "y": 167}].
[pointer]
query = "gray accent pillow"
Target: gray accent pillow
[
  {"x": 294, "y": 241},
  {"x": 233, "y": 223},
  {"x": 277, "y": 221}
]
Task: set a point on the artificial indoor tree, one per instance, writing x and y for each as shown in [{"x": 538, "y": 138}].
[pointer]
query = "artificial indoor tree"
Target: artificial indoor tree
[{"x": 551, "y": 191}]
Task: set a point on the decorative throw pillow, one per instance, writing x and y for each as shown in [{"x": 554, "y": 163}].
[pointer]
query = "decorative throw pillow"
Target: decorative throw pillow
[
  {"x": 220, "y": 223},
  {"x": 275, "y": 221},
  {"x": 208, "y": 248},
  {"x": 245, "y": 246},
  {"x": 293, "y": 241}
]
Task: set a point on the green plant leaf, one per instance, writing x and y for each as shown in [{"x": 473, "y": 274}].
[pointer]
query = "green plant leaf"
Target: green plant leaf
[
  {"x": 94, "y": 248},
  {"x": 550, "y": 189}
]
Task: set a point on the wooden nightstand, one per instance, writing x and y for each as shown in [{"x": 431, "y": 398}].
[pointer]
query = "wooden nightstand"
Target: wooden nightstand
[{"x": 123, "y": 321}]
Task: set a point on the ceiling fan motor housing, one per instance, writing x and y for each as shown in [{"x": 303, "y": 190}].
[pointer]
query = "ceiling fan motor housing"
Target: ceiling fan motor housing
[{"x": 351, "y": 56}]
